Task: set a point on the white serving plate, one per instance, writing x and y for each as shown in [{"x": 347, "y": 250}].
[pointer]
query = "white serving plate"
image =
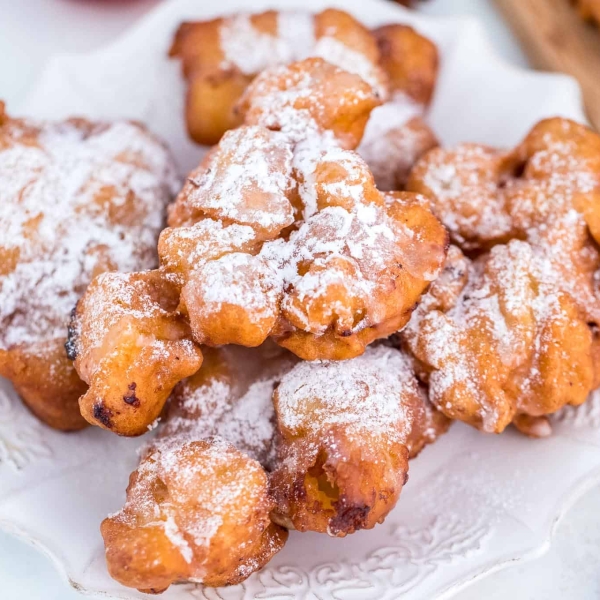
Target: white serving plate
[{"x": 474, "y": 504}]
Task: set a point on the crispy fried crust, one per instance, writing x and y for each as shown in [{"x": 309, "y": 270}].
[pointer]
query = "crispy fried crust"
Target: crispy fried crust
[
  {"x": 500, "y": 342},
  {"x": 340, "y": 102},
  {"x": 132, "y": 347},
  {"x": 485, "y": 196},
  {"x": 47, "y": 382},
  {"x": 281, "y": 232},
  {"x": 221, "y": 57},
  {"x": 345, "y": 433},
  {"x": 195, "y": 511},
  {"x": 78, "y": 198}
]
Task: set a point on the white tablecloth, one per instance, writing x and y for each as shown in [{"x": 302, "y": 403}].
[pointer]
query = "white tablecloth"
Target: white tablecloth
[{"x": 30, "y": 31}]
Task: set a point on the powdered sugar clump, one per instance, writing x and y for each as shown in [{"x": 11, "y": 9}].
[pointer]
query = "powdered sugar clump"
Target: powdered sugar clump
[{"x": 252, "y": 51}]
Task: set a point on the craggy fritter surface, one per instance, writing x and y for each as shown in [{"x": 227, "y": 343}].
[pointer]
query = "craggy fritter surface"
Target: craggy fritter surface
[
  {"x": 201, "y": 508},
  {"x": 132, "y": 347},
  {"x": 195, "y": 511},
  {"x": 220, "y": 58},
  {"x": 198, "y": 505},
  {"x": 231, "y": 396},
  {"x": 513, "y": 336},
  {"x": 345, "y": 432},
  {"x": 281, "y": 231},
  {"x": 78, "y": 198}
]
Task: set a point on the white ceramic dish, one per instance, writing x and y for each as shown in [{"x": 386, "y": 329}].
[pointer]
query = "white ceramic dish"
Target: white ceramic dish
[{"x": 474, "y": 504}]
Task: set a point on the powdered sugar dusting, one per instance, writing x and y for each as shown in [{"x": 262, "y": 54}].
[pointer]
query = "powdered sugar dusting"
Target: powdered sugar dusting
[
  {"x": 251, "y": 161},
  {"x": 483, "y": 326},
  {"x": 395, "y": 138},
  {"x": 181, "y": 468},
  {"x": 231, "y": 398},
  {"x": 364, "y": 394},
  {"x": 252, "y": 51},
  {"x": 337, "y": 53},
  {"x": 327, "y": 246},
  {"x": 78, "y": 198}
]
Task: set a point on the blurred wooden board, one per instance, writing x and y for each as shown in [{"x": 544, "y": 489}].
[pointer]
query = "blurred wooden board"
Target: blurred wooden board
[{"x": 556, "y": 38}]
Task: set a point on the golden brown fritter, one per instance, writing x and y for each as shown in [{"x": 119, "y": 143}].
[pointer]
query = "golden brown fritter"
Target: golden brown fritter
[
  {"x": 410, "y": 61},
  {"x": 546, "y": 190},
  {"x": 281, "y": 232},
  {"x": 195, "y": 511},
  {"x": 78, "y": 198},
  {"x": 221, "y": 57},
  {"x": 132, "y": 347},
  {"x": 502, "y": 340},
  {"x": 345, "y": 433},
  {"x": 396, "y": 137},
  {"x": 308, "y": 98},
  {"x": 198, "y": 505},
  {"x": 45, "y": 379}
]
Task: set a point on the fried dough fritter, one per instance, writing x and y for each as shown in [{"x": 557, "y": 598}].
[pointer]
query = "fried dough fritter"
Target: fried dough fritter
[
  {"x": 198, "y": 505},
  {"x": 132, "y": 347},
  {"x": 274, "y": 235},
  {"x": 513, "y": 336},
  {"x": 78, "y": 198},
  {"x": 285, "y": 237},
  {"x": 200, "y": 508},
  {"x": 410, "y": 60},
  {"x": 220, "y": 58},
  {"x": 544, "y": 190},
  {"x": 196, "y": 511},
  {"x": 345, "y": 433},
  {"x": 501, "y": 340},
  {"x": 306, "y": 99},
  {"x": 45, "y": 379}
]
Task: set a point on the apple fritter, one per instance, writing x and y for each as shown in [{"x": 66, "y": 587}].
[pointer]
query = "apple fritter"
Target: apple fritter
[
  {"x": 346, "y": 430},
  {"x": 282, "y": 232},
  {"x": 221, "y": 57},
  {"x": 131, "y": 345}
]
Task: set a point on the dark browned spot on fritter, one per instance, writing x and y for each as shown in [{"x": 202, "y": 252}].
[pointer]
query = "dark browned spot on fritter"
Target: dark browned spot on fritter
[
  {"x": 348, "y": 519},
  {"x": 103, "y": 415},
  {"x": 130, "y": 396}
]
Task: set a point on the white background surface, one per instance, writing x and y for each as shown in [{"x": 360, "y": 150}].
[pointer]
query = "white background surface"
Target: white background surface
[{"x": 30, "y": 31}]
